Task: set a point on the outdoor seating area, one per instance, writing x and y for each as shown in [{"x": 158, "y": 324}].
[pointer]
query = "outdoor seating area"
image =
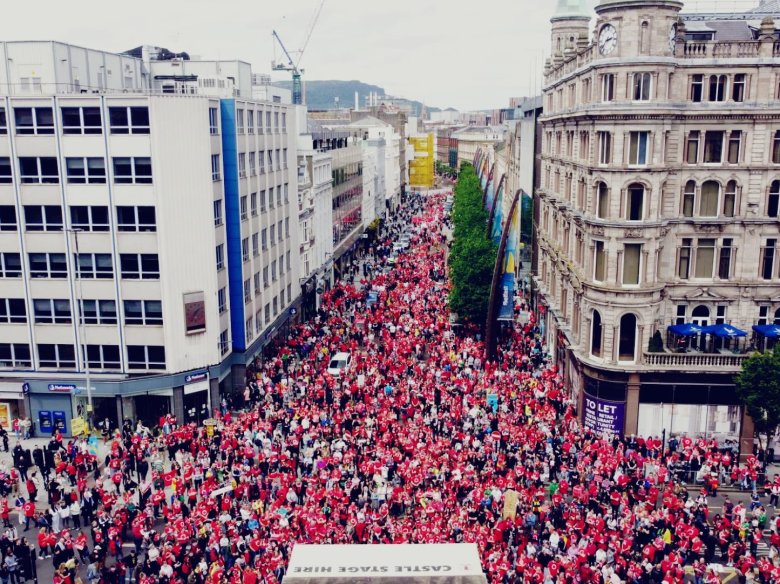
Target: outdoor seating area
[{"x": 724, "y": 339}]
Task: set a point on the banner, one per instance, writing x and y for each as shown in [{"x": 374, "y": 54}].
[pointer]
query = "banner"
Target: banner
[
  {"x": 490, "y": 194},
  {"x": 498, "y": 215},
  {"x": 510, "y": 504},
  {"x": 5, "y": 415},
  {"x": 604, "y": 416},
  {"x": 507, "y": 309}
]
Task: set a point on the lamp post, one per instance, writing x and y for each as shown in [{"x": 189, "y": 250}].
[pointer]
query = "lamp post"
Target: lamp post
[{"x": 82, "y": 328}]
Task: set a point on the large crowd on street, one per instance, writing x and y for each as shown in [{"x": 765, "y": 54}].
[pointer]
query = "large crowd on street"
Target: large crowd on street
[{"x": 405, "y": 446}]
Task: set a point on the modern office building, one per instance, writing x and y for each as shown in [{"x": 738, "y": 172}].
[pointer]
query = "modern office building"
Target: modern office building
[
  {"x": 660, "y": 181},
  {"x": 146, "y": 231}
]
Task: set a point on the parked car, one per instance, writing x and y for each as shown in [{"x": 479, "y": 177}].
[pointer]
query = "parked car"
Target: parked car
[{"x": 339, "y": 364}]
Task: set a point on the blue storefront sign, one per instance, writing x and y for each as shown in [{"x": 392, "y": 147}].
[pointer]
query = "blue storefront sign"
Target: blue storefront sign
[
  {"x": 61, "y": 387},
  {"x": 195, "y": 377}
]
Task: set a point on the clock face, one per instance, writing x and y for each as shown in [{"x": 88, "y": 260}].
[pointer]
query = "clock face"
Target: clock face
[
  {"x": 673, "y": 37},
  {"x": 607, "y": 39}
]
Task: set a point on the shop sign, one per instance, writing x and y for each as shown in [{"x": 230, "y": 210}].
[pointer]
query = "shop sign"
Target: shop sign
[
  {"x": 61, "y": 387},
  {"x": 604, "y": 416},
  {"x": 196, "y": 377},
  {"x": 5, "y": 415}
]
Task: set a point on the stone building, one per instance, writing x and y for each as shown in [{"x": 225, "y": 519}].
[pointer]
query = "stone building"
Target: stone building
[{"x": 660, "y": 182}]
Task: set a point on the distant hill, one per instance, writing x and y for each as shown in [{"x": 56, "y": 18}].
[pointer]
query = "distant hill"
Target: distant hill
[{"x": 321, "y": 95}]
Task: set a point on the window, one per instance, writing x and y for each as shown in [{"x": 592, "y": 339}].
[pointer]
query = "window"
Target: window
[
  {"x": 15, "y": 355},
  {"x": 43, "y": 217},
  {"x": 705, "y": 258},
  {"x": 34, "y": 120},
  {"x": 684, "y": 260},
  {"x": 249, "y": 331},
  {"x": 276, "y": 122},
  {"x": 276, "y": 305},
  {"x": 94, "y": 265},
  {"x": 145, "y": 357},
  {"x": 724, "y": 261},
  {"x": 133, "y": 170},
  {"x": 245, "y": 249},
  {"x": 250, "y": 121},
  {"x": 261, "y": 161},
  {"x": 596, "y": 334},
  {"x": 642, "y": 83},
  {"x": 255, "y": 244},
  {"x": 717, "y": 87},
  {"x": 773, "y": 203},
  {"x": 635, "y": 202},
  {"x": 97, "y": 312},
  {"x": 273, "y": 235},
  {"x": 60, "y": 356},
  {"x": 738, "y": 88},
  {"x": 142, "y": 218},
  {"x": 632, "y": 253},
  {"x": 101, "y": 356},
  {"x": 52, "y": 311},
  {"x": 81, "y": 120},
  {"x": 637, "y": 153},
  {"x": 273, "y": 270},
  {"x": 627, "y": 340},
  {"x": 776, "y": 148},
  {"x": 253, "y": 204},
  {"x": 144, "y": 266},
  {"x": 247, "y": 291},
  {"x": 8, "y": 218},
  {"x": 260, "y": 122},
  {"x": 243, "y": 207},
  {"x": 220, "y": 255},
  {"x": 258, "y": 321},
  {"x": 240, "y": 121},
  {"x": 265, "y": 277},
  {"x": 242, "y": 165},
  {"x": 768, "y": 259},
  {"x": 215, "y": 168},
  {"x": 85, "y": 170},
  {"x": 147, "y": 312},
  {"x": 268, "y": 121},
  {"x": 129, "y": 120},
  {"x": 221, "y": 300},
  {"x": 10, "y": 265},
  {"x": 262, "y": 201},
  {"x": 213, "y": 121},
  {"x": 89, "y": 218},
  {"x": 47, "y": 265},
  {"x": 697, "y": 87},
  {"x": 12, "y": 311},
  {"x": 689, "y": 198},
  {"x": 600, "y": 262},
  {"x": 284, "y": 122},
  {"x": 605, "y": 147},
  {"x": 256, "y": 283},
  {"x": 39, "y": 170},
  {"x": 285, "y": 161},
  {"x": 224, "y": 345},
  {"x": 218, "y": 212},
  {"x": 713, "y": 147},
  {"x": 252, "y": 163},
  {"x": 692, "y": 147},
  {"x": 730, "y": 199},
  {"x": 6, "y": 173},
  {"x": 3, "y": 122},
  {"x": 735, "y": 142}
]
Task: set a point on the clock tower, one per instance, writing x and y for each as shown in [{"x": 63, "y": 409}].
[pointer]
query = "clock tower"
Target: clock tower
[
  {"x": 570, "y": 27},
  {"x": 630, "y": 28}
]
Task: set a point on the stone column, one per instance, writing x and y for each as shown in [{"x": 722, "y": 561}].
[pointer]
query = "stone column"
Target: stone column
[
  {"x": 632, "y": 404},
  {"x": 178, "y": 403},
  {"x": 214, "y": 398}
]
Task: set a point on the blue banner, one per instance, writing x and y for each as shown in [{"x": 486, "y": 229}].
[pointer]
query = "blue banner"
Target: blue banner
[
  {"x": 507, "y": 309},
  {"x": 491, "y": 191},
  {"x": 498, "y": 216}
]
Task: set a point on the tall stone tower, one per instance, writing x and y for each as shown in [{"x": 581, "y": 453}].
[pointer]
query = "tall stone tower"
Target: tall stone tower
[
  {"x": 570, "y": 25},
  {"x": 631, "y": 28}
]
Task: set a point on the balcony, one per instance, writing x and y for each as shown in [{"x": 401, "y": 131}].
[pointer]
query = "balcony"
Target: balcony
[
  {"x": 721, "y": 50},
  {"x": 723, "y": 361}
]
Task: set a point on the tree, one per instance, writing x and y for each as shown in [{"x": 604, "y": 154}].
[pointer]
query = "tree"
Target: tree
[
  {"x": 472, "y": 256},
  {"x": 758, "y": 387}
]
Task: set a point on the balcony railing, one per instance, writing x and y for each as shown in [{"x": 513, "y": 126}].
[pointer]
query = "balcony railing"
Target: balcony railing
[
  {"x": 686, "y": 361},
  {"x": 720, "y": 50}
]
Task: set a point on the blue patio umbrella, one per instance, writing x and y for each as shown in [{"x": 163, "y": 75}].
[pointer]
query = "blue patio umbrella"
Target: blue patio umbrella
[
  {"x": 724, "y": 331},
  {"x": 770, "y": 331},
  {"x": 686, "y": 330}
]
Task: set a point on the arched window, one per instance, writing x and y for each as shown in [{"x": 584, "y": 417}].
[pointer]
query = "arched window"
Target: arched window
[
  {"x": 602, "y": 200},
  {"x": 596, "y": 333},
  {"x": 701, "y": 315},
  {"x": 635, "y": 203},
  {"x": 689, "y": 198},
  {"x": 730, "y": 199},
  {"x": 627, "y": 343},
  {"x": 773, "y": 203},
  {"x": 710, "y": 194}
]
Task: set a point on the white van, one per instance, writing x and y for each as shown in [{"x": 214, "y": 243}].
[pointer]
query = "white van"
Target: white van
[{"x": 339, "y": 363}]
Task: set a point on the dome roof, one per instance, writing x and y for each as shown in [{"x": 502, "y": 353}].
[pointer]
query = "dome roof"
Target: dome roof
[{"x": 573, "y": 8}]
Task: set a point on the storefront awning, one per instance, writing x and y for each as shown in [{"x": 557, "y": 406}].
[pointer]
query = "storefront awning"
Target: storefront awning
[
  {"x": 770, "y": 331},
  {"x": 686, "y": 330},
  {"x": 724, "y": 331}
]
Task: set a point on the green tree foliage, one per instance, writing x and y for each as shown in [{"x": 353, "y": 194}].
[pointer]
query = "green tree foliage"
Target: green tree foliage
[
  {"x": 758, "y": 387},
  {"x": 472, "y": 256}
]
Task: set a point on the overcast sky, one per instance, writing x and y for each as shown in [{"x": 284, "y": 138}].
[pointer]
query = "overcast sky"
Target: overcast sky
[{"x": 466, "y": 54}]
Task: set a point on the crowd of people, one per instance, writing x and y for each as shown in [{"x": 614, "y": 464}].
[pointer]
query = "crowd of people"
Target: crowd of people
[{"x": 409, "y": 445}]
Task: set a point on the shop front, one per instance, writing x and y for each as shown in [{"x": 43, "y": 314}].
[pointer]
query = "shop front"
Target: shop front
[
  {"x": 197, "y": 402},
  {"x": 12, "y": 403}
]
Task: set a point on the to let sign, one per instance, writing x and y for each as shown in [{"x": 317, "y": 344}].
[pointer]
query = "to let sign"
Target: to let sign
[{"x": 604, "y": 416}]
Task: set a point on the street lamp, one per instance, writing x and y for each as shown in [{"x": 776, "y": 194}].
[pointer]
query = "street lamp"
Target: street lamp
[{"x": 82, "y": 329}]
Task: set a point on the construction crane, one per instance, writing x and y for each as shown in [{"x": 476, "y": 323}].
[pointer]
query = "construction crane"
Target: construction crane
[{"x": 293, "y": 66}]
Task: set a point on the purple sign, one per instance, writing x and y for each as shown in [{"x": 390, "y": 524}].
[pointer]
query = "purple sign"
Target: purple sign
[{"x": 604, "y": 416}]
